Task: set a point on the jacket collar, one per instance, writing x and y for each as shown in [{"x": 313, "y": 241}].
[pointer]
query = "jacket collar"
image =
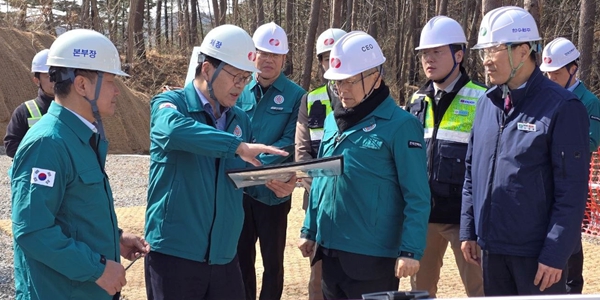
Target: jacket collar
[
  {"x": 72, "y": 121},
  {"x": 278, "y": 84},
  {"x": 428, "y": 89},
  {"x": 191, "y": 98}
]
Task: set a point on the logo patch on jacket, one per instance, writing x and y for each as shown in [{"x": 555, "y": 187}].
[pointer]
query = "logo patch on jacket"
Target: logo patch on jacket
[
  {"x": 278, "y": 99},
  {"x": 526, "y": 127},
  {"x": 167, "y": 105},
  {"x": 467, "y": 102},
  {"x": 42, "y": 177},
  {"x": 414, "y": 144},
  {"x": 237, "y": 131},
  {"x": 461, "y": 112},
  {"x": 369, "y": 128},
  {"x": 595, "y": 118}
]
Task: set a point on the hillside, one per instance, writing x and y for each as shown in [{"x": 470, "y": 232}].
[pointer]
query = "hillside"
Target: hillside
[{"x": 127, "y": 131}]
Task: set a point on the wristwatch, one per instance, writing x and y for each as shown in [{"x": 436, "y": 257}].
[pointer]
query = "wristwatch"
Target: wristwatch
[{"x": 407, "y": 254}]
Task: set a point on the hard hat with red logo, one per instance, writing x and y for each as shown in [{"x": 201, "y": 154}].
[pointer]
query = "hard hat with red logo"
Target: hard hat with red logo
[
  {"x": 326, "y": 40},
  {"x": 441, "y": 31},
  {"x": 231, "y": 45},
  {"x": 271, "y": 38},
  {"x": 557, "y": 54},
  {"x": 354, "y": 53}
]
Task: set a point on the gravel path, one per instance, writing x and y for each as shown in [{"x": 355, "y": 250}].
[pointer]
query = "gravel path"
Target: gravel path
[{"x": 128, "y": 178}]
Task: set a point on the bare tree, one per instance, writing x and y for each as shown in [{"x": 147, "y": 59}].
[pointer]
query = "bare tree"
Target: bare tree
[
  {"x": 441, "y": 7},
  {"x": 348, "y": 23},
  {"x": 336, "y": 13},
  {"x": 222, "y": 11},
  {"x": 216, "y": 13},
  {"x": 289, "y": 21},
  {"x": 313, "y": 23},
  {"x": 586, "y": 39},
  {"x": 488, "y": 5},
  {"x": 260, "y": 13}
]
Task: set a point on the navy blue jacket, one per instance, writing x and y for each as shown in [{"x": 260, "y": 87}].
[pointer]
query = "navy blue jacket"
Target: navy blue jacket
[{"x": 526, "y": 182}]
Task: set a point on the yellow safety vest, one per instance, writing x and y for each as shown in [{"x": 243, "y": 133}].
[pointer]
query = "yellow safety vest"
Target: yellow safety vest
[
  {"x": 315, "y": 122},
  {"x": 34, "y": 112},
  {"x": 458, "y": 119}
]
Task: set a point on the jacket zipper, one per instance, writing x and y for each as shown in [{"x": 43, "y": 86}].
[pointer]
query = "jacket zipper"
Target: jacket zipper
[
  {"x": 564, "y": 171},
  {"x": 487, "y": 211},
  {"x": 210, "y": 122}
]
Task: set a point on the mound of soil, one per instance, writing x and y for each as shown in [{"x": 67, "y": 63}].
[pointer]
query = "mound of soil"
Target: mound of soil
[{"x": 127, "y": 131}]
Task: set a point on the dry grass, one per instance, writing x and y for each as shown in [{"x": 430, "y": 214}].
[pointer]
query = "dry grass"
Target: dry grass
[{"x": 297, "y": 269}]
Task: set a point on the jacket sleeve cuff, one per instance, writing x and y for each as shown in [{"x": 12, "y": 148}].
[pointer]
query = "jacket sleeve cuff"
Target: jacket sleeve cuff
[
  {"x": 234, "y": 146},
  {"x": 99, "y": 268},
  {"x": 305, "y": 234}
]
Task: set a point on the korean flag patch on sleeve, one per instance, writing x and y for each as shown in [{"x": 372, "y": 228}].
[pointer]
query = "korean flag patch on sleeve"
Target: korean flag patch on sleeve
[{"x": 42, "y": 177}]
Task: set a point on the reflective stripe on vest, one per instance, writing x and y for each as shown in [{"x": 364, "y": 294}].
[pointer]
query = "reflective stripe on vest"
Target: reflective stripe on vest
[
  {"x": 34, "y": 112},
  {"x": 458, "y": 119},
  {"x": 319, "y": 94}
]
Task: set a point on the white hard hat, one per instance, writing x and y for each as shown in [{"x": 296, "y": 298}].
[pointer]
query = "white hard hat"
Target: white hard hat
[
  {"x": 441, "y": 31},
  {"x": 85, "y": 49},
  {"x": 327, "y": 38},
  {"x": 38, "y": 63},
  {"x": 231, "y": 45},
  {"x": 508, "y": 24},
  {"x": 558, "y": 54},
  {"x": 271, "y": 38},
  {"x": 354, "y": 53}
]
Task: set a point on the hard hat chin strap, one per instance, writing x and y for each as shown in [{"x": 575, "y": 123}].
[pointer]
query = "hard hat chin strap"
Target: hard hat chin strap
[
  {"x": 455, "y": 64},
  {"x": 94, "y": 104},
  {"x": 211, "y": 91},
  {"x": 568, "y": 84},
  {"x": 379, "y": 70},
  {"x": 513, "y": 70}
]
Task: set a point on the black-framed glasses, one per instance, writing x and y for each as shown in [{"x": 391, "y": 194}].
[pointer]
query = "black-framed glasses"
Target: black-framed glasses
[
  {"x": 239, "y": 78},
  {"x": 267, "y": 55},
  {"x": 435, "y": 54}
]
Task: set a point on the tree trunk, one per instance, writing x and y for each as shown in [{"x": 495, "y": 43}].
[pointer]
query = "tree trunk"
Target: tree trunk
[
  {"x": 336, "y": 13},
  {"x": 348, "y": 23},
  {"x": 289, "y": 21},
  {"x": 194, "y": 25},
  {"x": 95, "y": 16},
  {"x": 157, "y": 26},
  {"x": 48, "y": 17},
  {"x": 186, "y": 24},
  {"x": 354, "y": 25},
  {"x": 313, "y": 23},
  {"x": 223, "y": 12},
  {"x": 533, "y": 7},
  {"x": 216, "y": 13},
  {"x": 260, "y": 13},
  {"x": 442, "y": 7},
  {"x": 488, "y": 5},
  {"x": 586, "y": 39},
  {"x": 166, "y": 16},
  {"x": 235, "y": 12}
]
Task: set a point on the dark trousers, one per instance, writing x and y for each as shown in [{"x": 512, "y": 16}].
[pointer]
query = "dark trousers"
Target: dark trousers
[
  {"x": 349, "y": 275},
  {"x": 575, "y": 272},
  {"x": 268, "y": 224},
  {"x": 174, "y": 278},
  {"x": 508, "y": 275}
]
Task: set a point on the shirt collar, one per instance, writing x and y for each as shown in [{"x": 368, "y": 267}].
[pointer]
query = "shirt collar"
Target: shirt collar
[
  {"x": 87, "y": 123},
  {"x": 205, "y": 102},
  {"x": 449, "y": 88},
  {"x": 574, "y": 86}
]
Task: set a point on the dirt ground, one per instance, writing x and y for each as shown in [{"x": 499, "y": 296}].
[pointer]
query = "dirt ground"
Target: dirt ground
[{"x": 297, "y": 269}]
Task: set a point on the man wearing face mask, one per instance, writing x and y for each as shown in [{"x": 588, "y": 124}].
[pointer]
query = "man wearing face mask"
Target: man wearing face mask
[
  {"x": 29, "y": 112},
  {"x": 194, "y": 215},
  {"x": 271, "y": 101},
  {"x": 370, "y": 223},
  {"x": 526, "y": 168},
  {"x": 314, "y": 107},
  {"x": 560, "y": 62},
  {"x": 445, "y": 105}
]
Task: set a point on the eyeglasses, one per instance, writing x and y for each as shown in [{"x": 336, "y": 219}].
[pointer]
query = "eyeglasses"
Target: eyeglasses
[
  {"x": 487, "y": 53},
  {"x": 239, "y": 78},
  {"x": 268, "y": 55},
  {"x": 435, "y": 54},
  {"x": 342, "y": 83}
]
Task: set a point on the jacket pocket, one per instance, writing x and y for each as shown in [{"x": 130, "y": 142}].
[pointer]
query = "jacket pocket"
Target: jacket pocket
[
  {"x": 278, "y": 110},
  {"x": 171, "y": 199},
  {"x": 451, "y": 168}
]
